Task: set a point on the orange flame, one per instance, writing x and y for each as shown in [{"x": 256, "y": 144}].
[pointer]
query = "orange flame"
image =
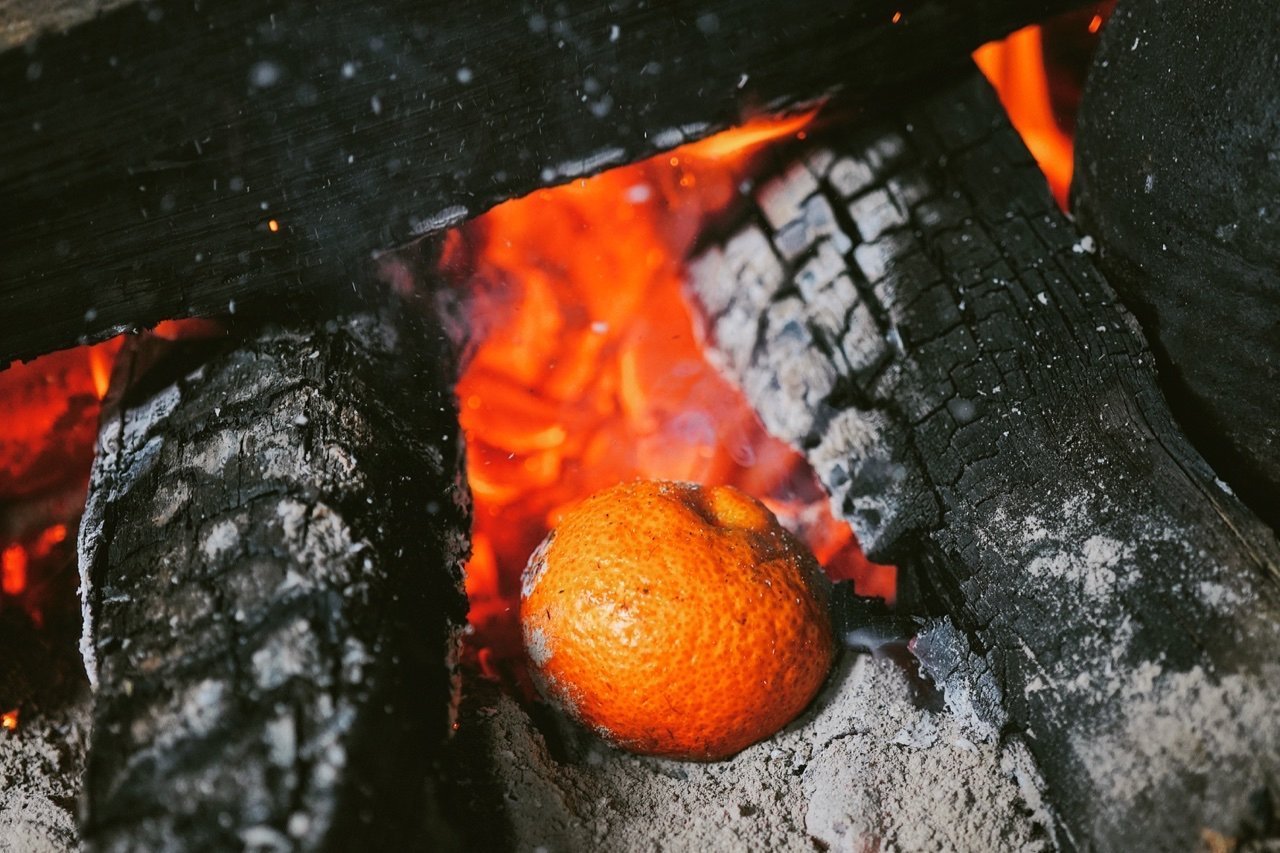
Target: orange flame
[
  {"x": 1016, "y": 68},
  {"x": 100, "y": 362},
  {"x": 9, "y": 720},
  {"x": 51, "y": 417},
  {"x": 13, "y": 570},
  {"x": 590, "y": 372}
]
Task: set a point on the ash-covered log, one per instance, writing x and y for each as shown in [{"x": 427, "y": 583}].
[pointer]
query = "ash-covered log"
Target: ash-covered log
[
  {"x": 1179, "y": 184},
  {"x": 145, "y": 154},
  {"x": 905, "y": 303},
  {"x": 271, "y": 570}
]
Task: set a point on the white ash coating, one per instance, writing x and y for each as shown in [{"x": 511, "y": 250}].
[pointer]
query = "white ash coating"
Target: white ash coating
[
  {"x": 40, "y": 767},
  {"x": 863, "y": 769}
]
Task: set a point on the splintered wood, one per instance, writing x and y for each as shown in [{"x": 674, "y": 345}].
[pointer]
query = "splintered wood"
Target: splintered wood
[{"x": 910, "y": 309}]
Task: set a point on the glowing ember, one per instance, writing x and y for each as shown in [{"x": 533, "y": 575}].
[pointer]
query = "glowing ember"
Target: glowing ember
[
  {"x": 587, "y": 371},
  {"x": 46, "y": 446},
  {"x": 13, "y": 570},
  {"x": 51, "y": 417},
  {"x": 1015, "y": 67},
  {"x": 9, "y": 720}
]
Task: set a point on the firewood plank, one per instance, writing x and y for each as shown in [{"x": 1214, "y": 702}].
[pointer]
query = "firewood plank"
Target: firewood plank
[
  {"x": 145, "y": 154},
  {"x": 986, "y": 415},
  {"x": 271, "y": 570},
  {"x": 1179, "y": 190}
]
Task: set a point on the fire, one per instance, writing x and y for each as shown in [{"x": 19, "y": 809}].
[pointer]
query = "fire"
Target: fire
[
  {"x": 9, "y": 720},
  {"x": 51, "y": 417},
  {"x": 13, "y": 570},
  {"x": 1016, "y": 68},
  {"x": 52, "y": 407},
  {"x": 587, "y": 371}
]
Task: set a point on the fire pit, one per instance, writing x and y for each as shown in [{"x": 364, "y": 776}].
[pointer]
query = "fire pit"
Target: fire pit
[{"x": 299, "y": 555}]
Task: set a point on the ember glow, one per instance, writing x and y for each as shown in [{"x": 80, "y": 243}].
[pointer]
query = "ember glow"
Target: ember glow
[
  {"x": 51, "y": 417},
  {"x": 587, "y": 371},
  {"x": 9, "y": 720},
  {"x": 52, "y": 405},
  {"x": 13, "y": 570}
]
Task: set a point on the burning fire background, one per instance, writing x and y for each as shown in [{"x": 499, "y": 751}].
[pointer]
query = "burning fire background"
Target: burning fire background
[{"x": 586, "y": 369}]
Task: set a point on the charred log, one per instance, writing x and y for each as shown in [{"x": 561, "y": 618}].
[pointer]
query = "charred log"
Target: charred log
[
  {"x": 144, "y": 154},
  {"x": 270, "y": 562},
  {"x": 905, "y": 304},
  {"x": 1178, "y": 182}
]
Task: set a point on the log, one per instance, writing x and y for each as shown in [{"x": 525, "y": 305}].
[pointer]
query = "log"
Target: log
[
  {"x": 271, "y": 571},
  {"x": 1178, "y": 187},
  {"x": 144, "y": 154},
  {"x": 903, "y": 302}
]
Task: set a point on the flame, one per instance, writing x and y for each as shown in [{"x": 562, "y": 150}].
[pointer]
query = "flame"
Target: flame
[
  {"x": 100, "y": 363},
  {"x": 13, "y": 570},
  {"x": 46, "y": 446},
  {"x": 588, "y": 373},
  {"x": 51, "y": 418},
  {"x": 9, "y": 720},
  {"x": 1016, "y": 68}
]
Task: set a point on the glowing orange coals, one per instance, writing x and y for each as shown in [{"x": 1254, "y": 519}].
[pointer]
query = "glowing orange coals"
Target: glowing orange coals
[
  {"x": 586, "y": 371},
  {"x": 13, "y": 570},
  {"x": 51, "y": 417}
]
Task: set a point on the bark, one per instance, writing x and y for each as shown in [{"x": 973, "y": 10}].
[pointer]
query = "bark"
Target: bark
[
  {"x": 904, "y": 303},
  {"x": 143, "y": 154},
  {"x": 270, "y": 561},
  {"x": 1178, "y": 180}
]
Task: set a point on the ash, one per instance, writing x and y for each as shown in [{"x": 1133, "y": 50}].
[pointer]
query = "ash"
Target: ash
[
  {"x": 863, "y": 769},
  {"x": 40, "y": 768}
]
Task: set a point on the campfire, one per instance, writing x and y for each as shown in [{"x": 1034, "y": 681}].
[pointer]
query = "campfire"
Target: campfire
[{"x": 276, "y": 462}]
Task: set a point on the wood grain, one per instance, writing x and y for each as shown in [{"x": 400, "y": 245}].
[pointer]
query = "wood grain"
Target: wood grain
[{"x": 144, "y": 154}]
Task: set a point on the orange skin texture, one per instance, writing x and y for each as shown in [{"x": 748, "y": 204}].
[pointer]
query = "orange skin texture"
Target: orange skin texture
[{"x": 676, "y": 620}]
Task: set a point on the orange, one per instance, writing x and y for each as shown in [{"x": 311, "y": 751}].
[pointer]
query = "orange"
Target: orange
[{"x": 676, "y": 619}]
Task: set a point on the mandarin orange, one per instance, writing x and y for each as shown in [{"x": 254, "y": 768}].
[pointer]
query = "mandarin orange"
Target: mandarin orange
[{"x": 676, "y": 619}]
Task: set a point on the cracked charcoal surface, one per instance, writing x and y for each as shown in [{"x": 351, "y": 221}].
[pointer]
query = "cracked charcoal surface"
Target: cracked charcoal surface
[
  {"x": 907, "y": 306},
  {"x": 271, "y": 564}
]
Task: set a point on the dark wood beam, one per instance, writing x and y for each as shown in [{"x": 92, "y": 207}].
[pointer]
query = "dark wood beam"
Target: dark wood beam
[
  {"x": 145, "y": 154},
  {"x": 1178, "y": 181}
]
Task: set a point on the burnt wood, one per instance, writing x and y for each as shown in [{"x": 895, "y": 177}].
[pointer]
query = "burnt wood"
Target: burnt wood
[
  {"x": 904, "y": 303},
  {"x": 1178, "y": 180},
  {"x": 144, "y": 154},
  {"x": 271, "y": 559}
]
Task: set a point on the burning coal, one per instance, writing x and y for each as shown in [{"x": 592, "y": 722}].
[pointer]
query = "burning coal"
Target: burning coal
[{"x": 587, "y": 371}]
